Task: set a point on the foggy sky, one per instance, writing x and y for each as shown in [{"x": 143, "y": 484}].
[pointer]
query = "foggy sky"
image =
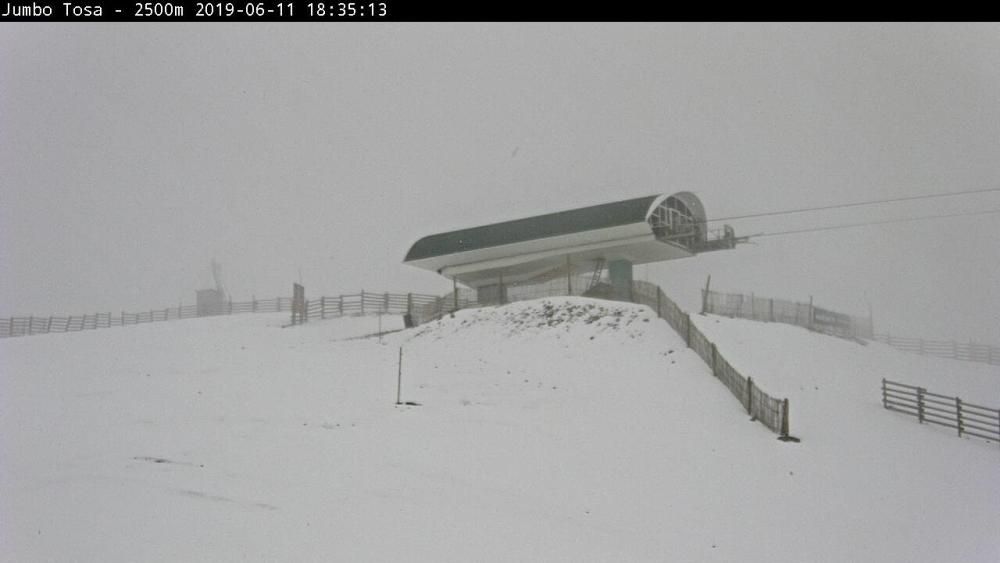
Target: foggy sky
[{"x": 132, "y": 154}]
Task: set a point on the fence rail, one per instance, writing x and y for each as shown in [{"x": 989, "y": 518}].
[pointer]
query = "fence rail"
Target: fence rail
[
  {"x": 942, "y": 410},
  {"x": 769, "y": 411},
  {"x": 789, "y": 312},
  {"x": 983, "y": 353},
  {"x": 364, "y": 302}
]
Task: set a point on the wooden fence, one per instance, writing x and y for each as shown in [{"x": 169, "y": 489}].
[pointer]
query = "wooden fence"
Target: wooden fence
[
  {"x": 769, "y": 411},
  {"x": 26, "y": 326},
  {"x": 421, "y": 307},
  {"x": 768, "y": 309},
  {"x": 951, "y": 349},
  {"x": 951, "y": 412},
  {"x": 365, "y": 302}
]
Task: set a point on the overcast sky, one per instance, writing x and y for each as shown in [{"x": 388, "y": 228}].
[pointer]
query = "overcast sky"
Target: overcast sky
[{"x": 132, "y": 154}]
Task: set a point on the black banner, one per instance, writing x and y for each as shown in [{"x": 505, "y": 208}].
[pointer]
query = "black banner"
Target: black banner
[{"x": 364, "y": 11}]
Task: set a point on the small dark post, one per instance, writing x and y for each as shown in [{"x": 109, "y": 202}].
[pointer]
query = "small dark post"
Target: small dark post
[
  {"x": 811, "y": 312},
  {"x": 503, "y": 292},
  {"x": 784, "y": 419},
  {"x": 362, "y": 302},
  {"x": 958, "y": 414},
  {"x": 920, "y": 404},
  {"x": 750, "y": 396},
  {"x": 771, "y": 307},
  {"x": 885, "y": 397},
  {"x": 715, "y": 360},
  {"x": 31, "y": 320},
  {"x": 454, "y": 286},
  {"x": 254, "y": 301},
  {"x": 687, "y": 320},
  {"x": 409, "y": 304},
  {"x": 48, "y": 325},
  {"x": 340, "y": 305},
  {"x": 399, "y": 378},
  {"x": 322, "y": 307},
  {"x": 659, "y": 293},
  {"x": 385, "y": 303},
  {"x": 704, "y": 295}
]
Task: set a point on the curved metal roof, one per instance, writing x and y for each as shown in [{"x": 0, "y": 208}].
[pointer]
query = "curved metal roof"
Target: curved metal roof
[{"x": 540, "y": 226}]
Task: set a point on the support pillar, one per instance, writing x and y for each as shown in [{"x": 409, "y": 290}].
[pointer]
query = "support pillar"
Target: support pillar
[{"x": 620, "y": 275}]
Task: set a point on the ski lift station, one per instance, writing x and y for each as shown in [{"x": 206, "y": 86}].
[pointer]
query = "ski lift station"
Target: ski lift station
[{"x": 615, "y": 236}]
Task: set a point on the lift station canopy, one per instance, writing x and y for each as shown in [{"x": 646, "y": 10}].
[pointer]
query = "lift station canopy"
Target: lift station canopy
[{"x": 641, "y": 230}]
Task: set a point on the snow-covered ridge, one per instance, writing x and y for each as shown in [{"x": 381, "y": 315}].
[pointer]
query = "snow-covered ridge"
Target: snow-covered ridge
[{"x": 598, "y": 437}]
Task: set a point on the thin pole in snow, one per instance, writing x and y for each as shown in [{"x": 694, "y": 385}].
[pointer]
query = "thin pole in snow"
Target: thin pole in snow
[{"x": 399, "y": 378}]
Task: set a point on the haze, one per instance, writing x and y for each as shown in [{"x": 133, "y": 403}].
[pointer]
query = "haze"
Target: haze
[{"x": 132, "y": 155}]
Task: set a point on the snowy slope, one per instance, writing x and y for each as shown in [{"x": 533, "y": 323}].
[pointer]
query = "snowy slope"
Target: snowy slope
[{"x": 554, "y": 430}]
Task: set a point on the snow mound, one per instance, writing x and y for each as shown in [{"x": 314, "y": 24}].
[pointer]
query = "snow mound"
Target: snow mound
[{"x": 543, "y": 317}]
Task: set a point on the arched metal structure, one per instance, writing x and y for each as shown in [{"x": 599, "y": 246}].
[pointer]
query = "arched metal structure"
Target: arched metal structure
[{"x": 619, "y": 234}]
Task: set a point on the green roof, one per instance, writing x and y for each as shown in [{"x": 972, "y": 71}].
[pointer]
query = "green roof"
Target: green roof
[{"x": 541, "y": 226}]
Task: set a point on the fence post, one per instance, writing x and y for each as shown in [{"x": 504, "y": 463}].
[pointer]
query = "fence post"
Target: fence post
[
  {"x": 687, "y": 339},
  {"x": 409, "y": 304},
  {"x": 704, "y": 295},
  {"x": 48, "y": 325},
  {"x": 885, "y": 397},
  {"x": 322, "y": 307},
  {"x": 362, "y": 302},
  {"x": 253, "y": 300},
  {"x": 31, "y": 321},
  {"x": 10, "y": 325},
  {"x": 810, "y": 325},
  {"x": 454, "y": 285},
  {"x": 658, "y": 294},
  {"x": 958, "y": 412},
  {"x": 385, "y": 303},
  {"x": 306, "y": 311},
  {"x": 771, "y": 307},
  {"x": 715, "y": 360},
  {"x": 399, "y": 378},
  {"x": 569, "y": 277},
  {"x": 753, "y": 310},
  {"x": 920, "y": 404},
  {"x": 784, "y": 418},
  {"x": 750, "y": 395},
  {"x": 340, "y": 304}
]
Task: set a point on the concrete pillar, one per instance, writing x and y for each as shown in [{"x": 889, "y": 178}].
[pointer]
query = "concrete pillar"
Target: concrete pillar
[{"x": 620, "y": 275}]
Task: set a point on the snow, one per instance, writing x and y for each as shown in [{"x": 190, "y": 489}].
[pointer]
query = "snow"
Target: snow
[{"x": 564, "y": 429}]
